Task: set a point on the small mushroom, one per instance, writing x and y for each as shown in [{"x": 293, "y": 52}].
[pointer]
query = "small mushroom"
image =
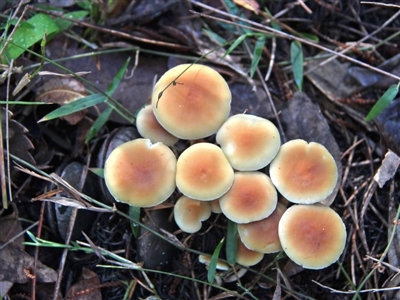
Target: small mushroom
[
  {"x": 304, "y": 172},
  {"x": 148, "y": 127},
  {"x": 262, "y": 236},
  {"x": 247, "y": 257},
  {"x": 215, "y": 207},
  {"x": 189, "y": 213},
  {"x": 249, "y": 142},
  {"x": 203, "y": 172},
  {"x": 313, "y": 236},
  {"x": 141, "y": 173},
  {"x": 191, "y": 101},
  {"x": 252, "y": 197}
]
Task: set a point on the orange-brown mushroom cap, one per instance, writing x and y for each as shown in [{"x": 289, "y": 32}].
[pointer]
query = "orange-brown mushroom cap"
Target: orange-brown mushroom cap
[
  {"x": 191, "y": 101},
  {"x": 247, "y": 257},
  {"x": 262, "y": 236},
  {"x": 313, "y": 236},
  {"x": 189, "y": 213},
  {"x": 141, "y": 173},
  {"x": 252, "y": 197},
  {"x": 203, "y": 172},
  {"x": 304, "y": 172},
  {"x": 149, "y": 128},
  {"x": 249, "y": 142}
]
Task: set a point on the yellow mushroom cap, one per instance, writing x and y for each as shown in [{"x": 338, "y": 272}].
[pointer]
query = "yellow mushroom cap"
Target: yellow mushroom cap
[
  {"x": 149, "y": 128},
  {"x": 247, "y": 257},
  {"x": 141, "y": 173},
  {"x": 313, "y": 236},
  {"x": 189, "y": 213},
  {"x": 249, "y": 142},
  {"x": 304, "y": 172},
  {"x": 203, "y": 172},
  {"x": 262, "y": 236},
  {"x": 252, "y": 197},
  {"x": 195, "y": 104}
]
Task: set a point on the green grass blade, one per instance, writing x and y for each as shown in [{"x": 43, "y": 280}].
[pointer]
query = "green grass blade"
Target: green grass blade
[
  {"x": 98, "y": 171},
  {"x": 213, "y": 263},
  {"x": 117, "y": 79},
  {"x": 134, "y": 213},
  {"x": 274, "y": 24},
  {"x": 258, "y": 50},
  {"x": 98, "y": 124},
  {"x": 74, "y": 106},
  {"x": 231, "y": 242},
  {"x": 383, "y": 102},
  {"x": 235, "y": 44},
  {"x": 296, "y": 56}
]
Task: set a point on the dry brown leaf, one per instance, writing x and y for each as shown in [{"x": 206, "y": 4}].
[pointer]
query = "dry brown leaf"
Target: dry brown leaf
[
  {"x": 251, "y": 5},
  {"x": 63, "y": 91},
  {"x": 87, "y": 287},
  {"x": 388, "y": 168}
]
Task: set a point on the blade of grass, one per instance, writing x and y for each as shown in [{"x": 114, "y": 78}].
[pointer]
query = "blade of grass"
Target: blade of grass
[
  {"x": 296, "y": 57},
  {"x": 231, "y": 243},
  {"x": 117, "y": 79},
  {"x": 74, "y": 106},
  {"x": 98, "y": 124},
  {"x": 258, "y": 50},
  {"x": 235, "y": 44},
  {"x": 213, "y": 263},
  {"x": 134, "y": 213},
  {"x": 383, "y": 102}
]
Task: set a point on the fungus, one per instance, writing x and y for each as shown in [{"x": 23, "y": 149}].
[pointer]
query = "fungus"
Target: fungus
[
  {"x": 191, "y": 101},
  {"x": 206, "y": 260},
  {"x": 247, "y": 257},
  {"x": 140, "y": 173},
  {"x": 252, "y": 197},
  {"x": 189, "y": 213},
  {"x": 215, "y": 207},
  {"x": 203, "y": 172},
  {"x": 249, "y": 142},
  {"x": 304, "y": 172},
  {"x": 313, "y": 236},
  {"x": 148, "y": 127},
  {"x": 262, "y": 236}
]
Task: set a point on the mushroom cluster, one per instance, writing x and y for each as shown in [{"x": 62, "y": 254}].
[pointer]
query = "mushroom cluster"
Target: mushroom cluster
[{"x": 192, "y": 102}]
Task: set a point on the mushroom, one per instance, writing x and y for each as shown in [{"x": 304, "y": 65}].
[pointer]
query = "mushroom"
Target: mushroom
[
  {"x": 249, "y": 142},
  {"x": 148, "y": 127},
  {"x": 304, "y": 172},
  {"x": 206, "y": 260},
  {"x": 215, "y": 207},
  {"x": 191, "y": 101},
  {"x": 141, "y": 173},
  {"x": 262, "y": 236},
  {"x": 203, "y": 172},
  {"x": 189, "y": 213},
  {"x": 252, "y": 197},
  {"x": 313, "y": 236},
  {"x": 247, "y": 257}
]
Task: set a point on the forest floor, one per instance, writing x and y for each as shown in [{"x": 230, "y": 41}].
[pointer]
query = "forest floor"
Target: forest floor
[{"x": 314, "y": 68}]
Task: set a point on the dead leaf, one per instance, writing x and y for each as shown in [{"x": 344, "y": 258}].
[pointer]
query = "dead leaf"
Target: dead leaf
[
  {"x": 18, "y": 142},
  {"x": 87, "y": 287},
  {"x": 15, "y": 264},
  {"x": 388, "y": 168},
  {"x": 63, "y": 91},
  {"x": 10, "y": 228},
  {"x": 251, "y": 5}
]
